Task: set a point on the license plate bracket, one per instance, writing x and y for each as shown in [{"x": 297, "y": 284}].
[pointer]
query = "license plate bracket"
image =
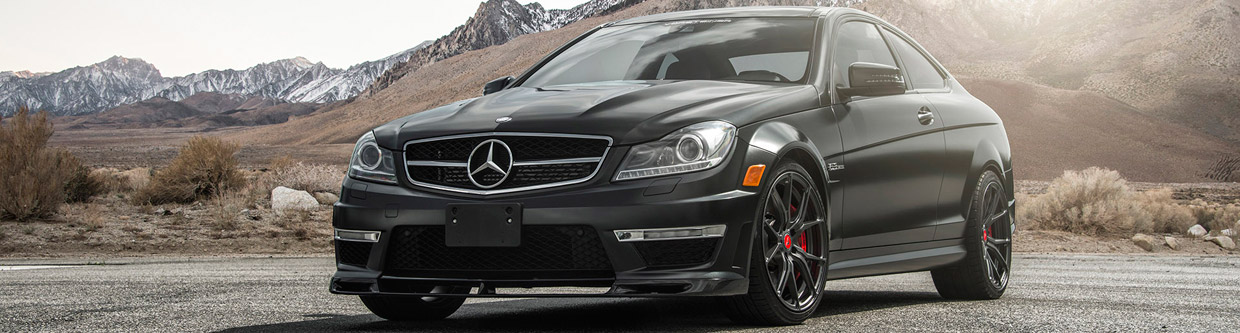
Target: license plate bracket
[{"x": 483, "y": 225}]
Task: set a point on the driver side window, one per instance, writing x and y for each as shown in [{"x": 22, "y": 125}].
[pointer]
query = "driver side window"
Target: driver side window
[{"x": 858, "y": 41}]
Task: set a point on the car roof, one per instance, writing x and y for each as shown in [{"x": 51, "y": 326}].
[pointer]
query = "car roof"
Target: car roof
[{"x": 753, "y": 11}]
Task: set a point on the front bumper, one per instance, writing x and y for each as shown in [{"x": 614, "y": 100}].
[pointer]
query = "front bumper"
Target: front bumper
[{"x": 711, "y": 197}]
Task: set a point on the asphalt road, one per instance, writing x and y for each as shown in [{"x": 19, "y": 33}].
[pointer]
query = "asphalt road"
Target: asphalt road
[{"x": 1048, "y": 293}]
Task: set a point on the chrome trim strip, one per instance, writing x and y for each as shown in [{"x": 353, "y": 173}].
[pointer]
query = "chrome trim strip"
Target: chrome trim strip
[
  {"x": 560, "y": 161},
  {"x": 336, "y": 235},
  {"x": 508, "y": 190},
  {"x": 639, "y": 235},
  {"x": 437, "y": 164}
]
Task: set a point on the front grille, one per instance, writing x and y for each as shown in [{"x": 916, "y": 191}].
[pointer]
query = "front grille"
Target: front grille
[
  {"x": 537, "y": 160},
  {"x": 353, "y": 253},
  {"x": 677, "y": 252},
  {"x": 545, "y": 252}
]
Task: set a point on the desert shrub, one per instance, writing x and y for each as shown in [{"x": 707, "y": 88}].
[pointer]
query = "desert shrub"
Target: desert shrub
[
  {"x": 80, "y": 184},
  {"x": 1161, "y": 214},
  {"x": 31, "y": 176},
  {"x": 204, "y": 167},
  {"x": 1093, "y": 201},
  {"x": 308, "y": 177},
  {"x": 1215, "y": 216}
]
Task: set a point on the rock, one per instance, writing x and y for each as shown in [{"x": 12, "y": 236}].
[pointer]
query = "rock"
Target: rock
[
  {"x": 1171, "y": 242},
  {"x": 1228, "y": 232},
  {"x": 1223, "y": 242},
  {"x": 1197, "y": 230},
  {"x": 326, "y": 198},
  {"x": 1145, "y": 242},
  {"x": 162, "y": 211},
  {"x": 285, "y": 199}
]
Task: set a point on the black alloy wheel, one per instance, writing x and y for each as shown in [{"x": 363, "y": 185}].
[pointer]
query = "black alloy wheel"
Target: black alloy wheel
[
  {"x": 790, "y": 259},
  {"x": 987, "y": 267}
]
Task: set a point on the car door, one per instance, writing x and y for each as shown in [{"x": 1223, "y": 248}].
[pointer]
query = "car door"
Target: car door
[{"x": 893, "y": 151}]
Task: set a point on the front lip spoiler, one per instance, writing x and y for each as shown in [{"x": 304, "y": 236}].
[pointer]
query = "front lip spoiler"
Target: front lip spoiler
[{"x": 700, "y": 284}]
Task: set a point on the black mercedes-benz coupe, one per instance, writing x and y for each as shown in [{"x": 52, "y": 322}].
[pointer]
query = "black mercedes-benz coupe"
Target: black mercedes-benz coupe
[{"x": 749, "y": 154}]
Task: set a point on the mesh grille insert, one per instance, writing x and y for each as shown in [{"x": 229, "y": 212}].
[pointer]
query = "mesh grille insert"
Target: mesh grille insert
[
  {"x": 544, "y": 251},
  {"x": 677, "y": 252},
  {"x": 353, "y": 253}
]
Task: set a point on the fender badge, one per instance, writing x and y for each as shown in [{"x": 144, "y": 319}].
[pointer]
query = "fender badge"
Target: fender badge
[{"x": 502, "y": 120}]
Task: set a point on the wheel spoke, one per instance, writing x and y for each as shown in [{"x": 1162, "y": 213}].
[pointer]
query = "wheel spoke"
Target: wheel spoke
[
  {"x": 802, "y": 207},
  {"x": 996, "y": 216},
  {"x": 802, "y": 226},
  {"x": 997, "y": 255},
  {"x": 780, "y": 210},
  {"x": 1000, "y": 241},
  {"x": 807, "y": 256},
  {"x": 784, "y": 271}
]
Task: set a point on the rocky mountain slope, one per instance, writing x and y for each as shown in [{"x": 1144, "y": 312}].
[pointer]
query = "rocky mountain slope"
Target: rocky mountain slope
[
  {"x": 496, "y": 22},
  {"x": 118, "y": 81},
  {"x": 1053, "y": 127}
]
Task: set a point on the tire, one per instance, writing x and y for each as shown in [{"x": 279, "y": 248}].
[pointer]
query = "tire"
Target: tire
[
  {"x": 986, "y": 268},
  {"x": 763, "y": 305},
  {"x": 414, "y": 308}
]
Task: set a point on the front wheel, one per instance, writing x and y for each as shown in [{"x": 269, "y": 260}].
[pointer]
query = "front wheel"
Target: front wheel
[
  {"x": 415, "y": 308},
  {"x": 788, "y": 266},
  {"x": 987, "y": 264}
]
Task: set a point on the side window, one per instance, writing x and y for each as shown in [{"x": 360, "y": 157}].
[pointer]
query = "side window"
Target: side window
[
  {"x": 921, "y": 73},
  {"x": 858, "y": 42}
]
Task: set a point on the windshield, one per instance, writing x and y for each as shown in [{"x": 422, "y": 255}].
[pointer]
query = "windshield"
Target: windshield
[{"x": 747, "y": 49}]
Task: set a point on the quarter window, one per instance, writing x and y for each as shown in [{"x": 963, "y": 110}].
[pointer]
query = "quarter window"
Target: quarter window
[
  {"x": 921, "y": 73},
  {"x": 858, "y": 42}
]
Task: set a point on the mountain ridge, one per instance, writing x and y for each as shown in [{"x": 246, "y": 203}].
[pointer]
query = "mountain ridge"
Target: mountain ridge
[{"x": 119, "y": 81}]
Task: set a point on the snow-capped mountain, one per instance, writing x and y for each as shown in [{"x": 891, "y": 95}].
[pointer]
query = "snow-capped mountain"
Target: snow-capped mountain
[{"x": 119, "y": 81}]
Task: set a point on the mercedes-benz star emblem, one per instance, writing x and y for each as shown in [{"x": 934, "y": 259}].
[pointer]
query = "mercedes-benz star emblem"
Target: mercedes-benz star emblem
[{"x": 489, "y": 166}]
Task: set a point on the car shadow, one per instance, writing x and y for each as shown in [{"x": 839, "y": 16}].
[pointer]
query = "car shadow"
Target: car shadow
[{"x": 592, "y": 314}]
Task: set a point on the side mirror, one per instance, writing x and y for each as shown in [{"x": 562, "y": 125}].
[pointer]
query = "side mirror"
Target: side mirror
[
  {"x": 497, "y": 84},
  {"x": 870, "y": 79}
]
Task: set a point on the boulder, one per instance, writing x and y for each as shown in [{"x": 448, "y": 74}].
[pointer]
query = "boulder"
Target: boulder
[
  {"x": 1197, "y": 230},
  {"x": 326, "y": 198},
  {"x": 285, "y": 199},
  {"x": 1145, "y": 242},
  {"x": 1171, "y": 242},
  {"x": 1228, "y": 232},
  {"x": 1223, "y": 242}
]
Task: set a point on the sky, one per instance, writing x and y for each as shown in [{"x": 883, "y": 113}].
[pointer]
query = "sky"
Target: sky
[{"x": 182, "y": 37}]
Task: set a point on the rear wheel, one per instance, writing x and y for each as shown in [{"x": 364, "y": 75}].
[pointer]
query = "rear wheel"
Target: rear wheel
[
  {"x": 415, "y": 308},
  {"x": 987, "y": 265},
  {"x": 788, "y": 266}
]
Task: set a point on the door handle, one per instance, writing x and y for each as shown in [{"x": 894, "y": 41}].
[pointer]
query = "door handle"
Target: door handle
[{"x": 924, "y": 116}]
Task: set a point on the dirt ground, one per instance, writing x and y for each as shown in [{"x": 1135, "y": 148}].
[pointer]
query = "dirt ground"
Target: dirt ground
[{"x": 154, "y": 147}]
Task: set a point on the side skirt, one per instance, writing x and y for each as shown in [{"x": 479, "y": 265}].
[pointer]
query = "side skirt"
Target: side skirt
[{"x": 894, "y": 259}]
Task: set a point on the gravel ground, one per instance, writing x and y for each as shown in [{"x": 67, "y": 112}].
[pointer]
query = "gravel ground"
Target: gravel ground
[{"x": 1048, "y": 293}]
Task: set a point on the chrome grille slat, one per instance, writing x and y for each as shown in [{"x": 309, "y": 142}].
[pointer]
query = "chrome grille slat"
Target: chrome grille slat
[{"x": 539, "y": 160}]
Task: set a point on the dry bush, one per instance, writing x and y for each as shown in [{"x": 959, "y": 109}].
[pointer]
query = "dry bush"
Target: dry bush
[
  {"x": 308, "y": 177},
  {"x": 81, "y": 184},
  {"x": 1215, "y": 216},
  {"x": 205, "y": 166},
  {"x": 32, "y": 177},
  {"x": 1093, "y": 201},
  {"x": 1161, "y": 213},
  {"x": 1098, "y": 201}
]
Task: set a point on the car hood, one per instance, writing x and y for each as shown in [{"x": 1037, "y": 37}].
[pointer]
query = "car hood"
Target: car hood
[{"x": 629, "y": 112}]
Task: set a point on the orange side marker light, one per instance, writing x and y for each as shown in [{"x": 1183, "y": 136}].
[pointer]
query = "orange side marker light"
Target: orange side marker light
[{"x": 753, "y": 177}]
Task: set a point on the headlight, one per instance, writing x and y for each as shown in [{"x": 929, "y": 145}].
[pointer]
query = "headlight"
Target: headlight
[
  {"x": 697, "y": 147},
  {"x": 371, "y": 162}
]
